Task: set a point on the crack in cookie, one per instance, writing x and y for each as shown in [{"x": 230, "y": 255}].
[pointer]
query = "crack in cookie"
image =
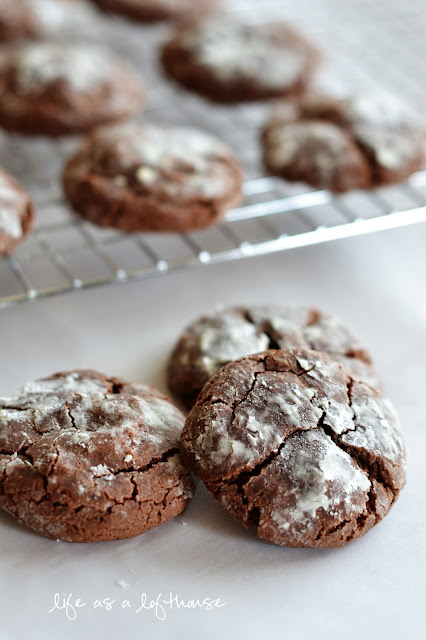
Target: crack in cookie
[{"x": 228, "y": 334}]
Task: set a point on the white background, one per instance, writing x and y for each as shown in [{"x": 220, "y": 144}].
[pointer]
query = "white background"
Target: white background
[{"x": 374, "y": 587}]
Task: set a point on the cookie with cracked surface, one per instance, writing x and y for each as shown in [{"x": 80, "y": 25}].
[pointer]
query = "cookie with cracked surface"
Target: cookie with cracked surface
[
  {"x": 289, "y": 443},
  {"x": 153, "y": 10},
  {"x": 84, "y": 457},
  {"x": 228, "y": 334},
  {"x": 228, "y": 61},
  {"x": 56, "y": 89},
  {"x": 362, "y": 142},
  {"x": 152, "y": 177},
  {"x": 16, "y": 213}
]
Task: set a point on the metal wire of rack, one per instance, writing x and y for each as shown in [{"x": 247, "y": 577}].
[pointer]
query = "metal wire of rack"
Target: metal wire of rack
[{"x": 65, "y": 253}]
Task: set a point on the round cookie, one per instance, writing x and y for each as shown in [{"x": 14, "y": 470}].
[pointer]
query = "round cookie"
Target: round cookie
[
  {"x": 55, "y": 89},
  {"x": 153, "y": 10},
  {"x": 16, "y": 213},
  {"x": 362, "y": 142},
  {"x": 153, "y": 177},
  {"x": 288, "y": 443},
  {"x": 228, "y": 334},
  {"x": 228, "y": 61},
  {"x": 87, "y": 458}
]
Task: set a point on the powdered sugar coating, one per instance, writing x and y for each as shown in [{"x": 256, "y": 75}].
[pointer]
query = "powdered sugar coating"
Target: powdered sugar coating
[
  {"x": 231, "y": 338},
  {"x": 50, "y": 15},
  {"x": 228, "y": 60},
  {"x": 83, "y": 67},
  {"x": 317, "y": 147},
  {"x": 57, "y": 89},
  {"x": 254, "y": 429},
  {"x": 153, "y": 177},
  {"x": 277, "y": 403},
  {"x": 377, "y": 431},
  {"x": 287, "y": 441},
  {"x": 37, "y": 18},
  {"x": 318, "y": 476},
  {"x": 180, "y": 161},
  {"x": 388, "y": 128},
  {"x": 82, "y": 405},
  {"x": 233, "y": 50}
]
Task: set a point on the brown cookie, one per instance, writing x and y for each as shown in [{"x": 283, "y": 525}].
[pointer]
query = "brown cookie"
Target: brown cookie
[
  {"x": 228, "y": 334},
  {"x": 55, "y": 89},
  {"x": 289, "y": 443},
  {"x": 16, "y": 213},
  {"x": 153, "y": 10},
  {"x": 153, "y": 177},
  {"x": 339, "y": 145},
  {"x": 228, "y": 61},
  {"x": 85, "y": 458}
]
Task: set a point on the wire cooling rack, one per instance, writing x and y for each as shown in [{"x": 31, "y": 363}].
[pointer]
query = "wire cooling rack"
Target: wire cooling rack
[{"x": 370, "y": 46}]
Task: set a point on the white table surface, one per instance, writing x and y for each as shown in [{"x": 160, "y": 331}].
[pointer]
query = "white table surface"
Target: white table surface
[{"x": 374, "y": 587}]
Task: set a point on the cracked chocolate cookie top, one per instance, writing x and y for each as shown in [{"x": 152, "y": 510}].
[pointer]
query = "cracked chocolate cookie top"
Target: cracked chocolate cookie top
[
  {"x": 151, "y": 10},
  {"x": 84, "y": 457},
  {"x": 228, "y": 61},
  {"x": 52, "y": 89},
  {"x": 152, "y": 177},
  {"x": 16, "y": 213},
  {"x": 289, "y": 443},
  {"x": 228, "y": 334},
  {"x": 339, "y": 145}
]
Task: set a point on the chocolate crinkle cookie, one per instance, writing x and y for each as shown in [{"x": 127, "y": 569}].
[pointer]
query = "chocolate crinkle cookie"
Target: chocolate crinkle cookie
[
  {"x": 54, "y": 89},
  {"x": 362, "y": 142},
  {"x": 152, "y": 10},
  {"x": 85, "y": 458},
  {"x": 228, "y": 334},
  {"x": 287, "y": 442},
  {"x": 228, "y": 61},
  {"x": 16, "y": 213},
  {"x": 153, "y": 177}
]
